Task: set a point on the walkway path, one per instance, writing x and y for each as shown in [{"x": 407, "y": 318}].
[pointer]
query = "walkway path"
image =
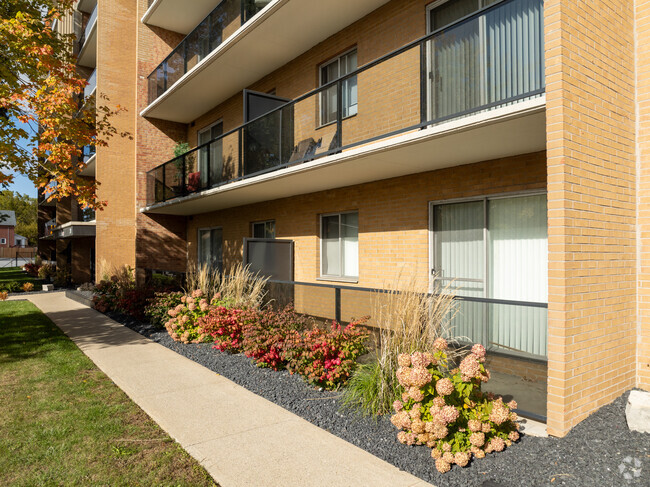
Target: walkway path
[{"x": 240, "y": 438}]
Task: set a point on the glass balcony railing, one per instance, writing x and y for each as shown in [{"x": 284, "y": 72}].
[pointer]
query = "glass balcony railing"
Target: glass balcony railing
[
  {"x": 88, "y": 152},
  {"x": 91, "y": 86},
  {"x": 490, "y": 59},
  {"x": 89, "y": 26},
  {"x": 222, "y": 22}
]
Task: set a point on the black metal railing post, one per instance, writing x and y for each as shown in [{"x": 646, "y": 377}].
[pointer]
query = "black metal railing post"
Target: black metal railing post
[
  {"x": 183, "y": 186},
  {"x": 339, "y": 113},
  {"x": 423, "y": 82},
  {"x": 337, "y": 304}
]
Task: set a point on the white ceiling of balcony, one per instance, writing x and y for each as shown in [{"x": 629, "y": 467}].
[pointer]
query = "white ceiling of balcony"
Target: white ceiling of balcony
[
  {"x": 88, "y": 55},
  {"x": 86, "y": 5},
  {"x": 504, "y": 132},
  {"x": 178, "y": 15},
  {"x": 281, "y": 32},
  {"x": 89, "y": 170}
]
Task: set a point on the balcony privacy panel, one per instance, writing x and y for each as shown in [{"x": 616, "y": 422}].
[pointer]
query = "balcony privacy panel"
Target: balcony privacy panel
[{"x": 483, "y": 62}]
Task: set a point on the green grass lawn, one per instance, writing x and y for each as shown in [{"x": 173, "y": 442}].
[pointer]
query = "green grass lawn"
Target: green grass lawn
[
  {"x": 17, "y": 274},
  {"x": 63, "y": 422}
]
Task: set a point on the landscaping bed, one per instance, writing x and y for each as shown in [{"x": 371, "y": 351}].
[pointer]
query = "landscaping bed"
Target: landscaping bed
[{"x": 599, "y": 451}]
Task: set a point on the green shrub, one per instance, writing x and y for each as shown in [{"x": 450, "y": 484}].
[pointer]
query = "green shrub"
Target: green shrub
[
  {"x": 362, "y": 390},
  {"x": 11, "y": 286},
  {"x": 447, "y": 411},
  {"x": 158, "y": 307}
]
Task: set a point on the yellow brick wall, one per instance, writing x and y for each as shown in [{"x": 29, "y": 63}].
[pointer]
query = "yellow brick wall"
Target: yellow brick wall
[
  {"x": 117, "y": 22},
  {"x": 643, "y": 197},
  {"x": 591, "y": 201},
  {"x": 393, "y": 217}
]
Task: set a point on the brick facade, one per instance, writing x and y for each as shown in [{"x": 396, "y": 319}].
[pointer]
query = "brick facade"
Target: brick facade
[{"x": 591, "y": 201}]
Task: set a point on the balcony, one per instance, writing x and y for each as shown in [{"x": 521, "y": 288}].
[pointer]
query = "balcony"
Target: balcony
[
  {"x": 247, "y": 44},
  {"x": 76, "y": 229},
  {"x": 178, "y": 15},
  {"x": 88, "y": 43},
  {"x": 89, "y": 157},
  {"x": 469, "y": 92},
  {"x": 91, "y": 87}
]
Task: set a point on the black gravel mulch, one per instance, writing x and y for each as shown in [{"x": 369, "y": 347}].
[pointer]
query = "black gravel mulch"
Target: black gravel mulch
[{"x": 600, "y": 451}]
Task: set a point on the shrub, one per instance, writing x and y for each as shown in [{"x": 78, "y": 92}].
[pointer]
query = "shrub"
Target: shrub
[
  {"x": 4, "y": 295},
  {"x": 110, "y": 292},
  {"x": 32, "y": 269},
  {"x": 157, "y": 309},
  {"x": 325, "y": 357},
  {"x": 134, "y": 302},
  {"x": 62, "y": 277},
  {"x": 87, "y": 286},
  {"x": 46, "y": 270},
  {"x": 447, "y": 410},
  {"x": 265, "y": 334},
  {"x": 410, "y": 320},
  {"x": 28, "y": 287},
  {"x": 11, "y": 286},
  {"x": 224, "y": 325},
  {"x": 183, "y": 322},
  {"x": 362, "y": 390}
]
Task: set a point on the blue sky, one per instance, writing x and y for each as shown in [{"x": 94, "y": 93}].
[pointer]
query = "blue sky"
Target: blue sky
[{"x": 22, "y": 184}]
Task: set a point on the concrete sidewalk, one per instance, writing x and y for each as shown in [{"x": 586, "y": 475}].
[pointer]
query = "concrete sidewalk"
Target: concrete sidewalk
[{"x": 240, "y": 438}]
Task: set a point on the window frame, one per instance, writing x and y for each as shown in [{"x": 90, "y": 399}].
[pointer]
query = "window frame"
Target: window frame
[
  {"x": 3, "y": 241},
  {"x": 334, "y": 277},
  {"x": 263, "y": 222},
  {"x": 335, "y": 59},
  {"x": 199, "y": 244},
  {"x": 432, "y": 233},
  {"x": 206, "y": 128}
]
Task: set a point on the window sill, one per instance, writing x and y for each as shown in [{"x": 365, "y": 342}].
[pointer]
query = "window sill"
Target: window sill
[{"x": 347, "y": 280}]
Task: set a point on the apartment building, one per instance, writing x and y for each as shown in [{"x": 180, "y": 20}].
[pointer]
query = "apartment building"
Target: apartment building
[
  {"x": 66, "y": 231},
  {"x": 499, "y": 147}
]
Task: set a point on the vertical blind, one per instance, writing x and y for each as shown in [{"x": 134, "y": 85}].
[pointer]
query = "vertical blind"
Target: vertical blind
[{"x": 491, "y": 58}]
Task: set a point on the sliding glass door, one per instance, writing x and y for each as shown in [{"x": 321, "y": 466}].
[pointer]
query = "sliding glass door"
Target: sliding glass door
[
  {"x": 493, "y": 252},
  {"x": 486, "y": 60}
]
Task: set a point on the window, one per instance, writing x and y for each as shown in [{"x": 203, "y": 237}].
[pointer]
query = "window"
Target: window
[
  {"x": 211, "y": 247},
  {"x": 331, "y": 71},
  {"x": 210, "y": 156},
  {"x": 264, "y": 229},
  {"x": 340, "y": 245},
  {"x": 496, "y": 249},
  {"x": 3, "y": 241}
]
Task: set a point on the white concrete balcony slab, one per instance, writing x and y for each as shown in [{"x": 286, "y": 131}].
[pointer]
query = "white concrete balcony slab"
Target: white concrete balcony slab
[{"x": 187, "y": 86}]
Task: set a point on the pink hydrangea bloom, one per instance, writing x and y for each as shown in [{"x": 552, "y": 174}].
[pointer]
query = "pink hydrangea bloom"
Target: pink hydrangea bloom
[
  {"x": 191, "y": 306},
  {"x": 398, "y": 406},
  {"x": 513, "y": 436},
  {"x": 479, "y": 351},
  {"x": 444, "y": 387},
  {"x": 440, "y": 344},
  {"x": 448, "y": 457},
  {"x": 449, "y": 414},
  {"x": 470, "y": 367},
  {"x": 474, "y": 425},
  {"x": 404, "y": 376},
  {"x": 404, "y": 360},
  {"x": 462, "y": 458},
  {"x": 419, "y": 359},
  {"x": 416, "y": 394},
  {"x": 419, "y": 377},
  {"x": 500, "y": 412},
  {"x": 477, "y": 439},
  {"x": 442, "y": 466},
  {"x": 497, "y": 444}
]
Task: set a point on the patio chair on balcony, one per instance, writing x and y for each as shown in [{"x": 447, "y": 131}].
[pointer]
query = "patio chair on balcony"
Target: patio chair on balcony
[{"x": 304, "y": 150}]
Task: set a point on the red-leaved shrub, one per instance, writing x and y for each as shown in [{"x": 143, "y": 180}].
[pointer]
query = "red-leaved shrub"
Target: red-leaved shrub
[
  {"x": 326, "y": 357},
  {"x": 225, "y": 326},
  {"x": 32, "y": 269},
  {"x": 265, "y": 334}
]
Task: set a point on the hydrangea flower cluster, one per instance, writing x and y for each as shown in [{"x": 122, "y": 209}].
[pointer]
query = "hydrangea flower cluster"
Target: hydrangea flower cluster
[
  {"x": 183, "y": 323},
  {"x": 447, "y": 411}
]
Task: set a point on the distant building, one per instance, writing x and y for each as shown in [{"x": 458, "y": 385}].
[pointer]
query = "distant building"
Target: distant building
[
  {"x": 7, "y": 228},
  {"x": 20, "y": 241}
]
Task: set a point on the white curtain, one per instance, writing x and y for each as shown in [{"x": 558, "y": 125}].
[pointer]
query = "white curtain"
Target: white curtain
[{"x": 350, "y": 244}]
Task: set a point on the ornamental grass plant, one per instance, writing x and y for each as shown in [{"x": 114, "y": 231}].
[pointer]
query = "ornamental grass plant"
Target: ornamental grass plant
[{"x": 409, "y": 320}]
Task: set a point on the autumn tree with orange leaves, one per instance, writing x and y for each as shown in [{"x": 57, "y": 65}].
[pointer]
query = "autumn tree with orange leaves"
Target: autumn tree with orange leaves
[{"x": 41, "y": 88}]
